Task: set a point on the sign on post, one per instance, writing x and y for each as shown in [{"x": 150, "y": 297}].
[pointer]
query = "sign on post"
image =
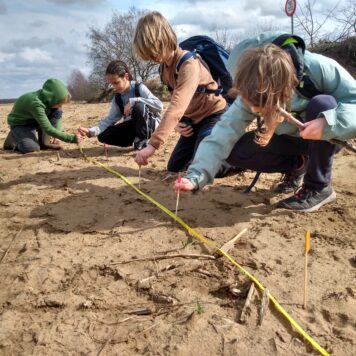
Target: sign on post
[{"x": 290, "y": 7}]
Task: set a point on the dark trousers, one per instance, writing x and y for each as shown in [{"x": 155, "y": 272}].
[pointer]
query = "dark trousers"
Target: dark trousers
[
  {"x": 283, "y": 151},
  {"x": 186, "y": 147},
  {"x": 140, "y": 125},
  {"x": 27, "y": 136}
]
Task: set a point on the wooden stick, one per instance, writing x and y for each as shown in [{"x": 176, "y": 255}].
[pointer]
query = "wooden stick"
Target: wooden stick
[
  {"x": 139, "y": 177},
  {"x": 305, "y": 281},
  {"x": 112, "y": 335},
  {"x": 179, "y": 180},
  {"x": 155, "y": 258},
  {"x": 8, "y": 249},
  {"x": 106, "y": 151},
  {"x": 264, "y": 305},
  {"x": 290, "y": 118},
  {"x": 349, "y": 145},
  {"x": 231, "y": 243},
  {"x": 306, "y": 249},
  {"x": 247, "y": 303}
]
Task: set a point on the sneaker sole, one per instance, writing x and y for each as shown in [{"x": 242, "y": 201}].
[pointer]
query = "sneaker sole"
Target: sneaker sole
[{"x": 329, "y": 199}]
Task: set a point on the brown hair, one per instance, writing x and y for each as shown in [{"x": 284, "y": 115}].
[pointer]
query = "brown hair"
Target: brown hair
[
  {"x": 265, "y": 77},
  {"x": 118, "y": 68},
  {"x": 154, "y": 38}
]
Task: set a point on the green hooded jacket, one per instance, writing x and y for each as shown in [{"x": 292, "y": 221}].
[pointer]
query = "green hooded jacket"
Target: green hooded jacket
[{"x": 33, "y": 107}]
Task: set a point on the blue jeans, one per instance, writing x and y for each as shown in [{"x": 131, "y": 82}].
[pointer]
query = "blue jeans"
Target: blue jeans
[
  {"x": 26, "y": 136},
  {"x": 186, "y": 147}
]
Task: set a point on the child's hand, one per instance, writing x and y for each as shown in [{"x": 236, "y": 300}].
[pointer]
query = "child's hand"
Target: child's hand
[
  {"x": 184, "y": 130},
  {"x": 83, "y": 131},
  {"x": 313, "y": 130},
  {"x": 142, "y": 156},
  {"x": 127, "y": 109},
  {"x": 185, "y": 185},
  {"x": 54, "y": 141},
  {"x": 78, "y": 137}
]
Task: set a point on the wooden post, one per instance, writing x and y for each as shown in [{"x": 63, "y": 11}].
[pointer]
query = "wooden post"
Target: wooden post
[{"x": 307, "y": 249}]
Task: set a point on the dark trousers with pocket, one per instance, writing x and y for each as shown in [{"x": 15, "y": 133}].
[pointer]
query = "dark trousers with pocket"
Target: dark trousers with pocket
[
  {"x": 27, "y": 136},
  {"x": 140, "y": 125},
  {"x": 186, "y": 147},
  {"x": 282, "y": 152}
]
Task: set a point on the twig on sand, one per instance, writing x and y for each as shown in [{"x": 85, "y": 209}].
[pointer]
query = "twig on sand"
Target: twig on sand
[
  {"x": 247, "y": 303},
  {"x": 155, "y": 258},
  {"x": 8, "y": 249},
  {"x": 264, "y": 305},
  {"x": 230, "y": 244},
  {"x": 112, "y": 335},
  {"x": 149, "y": 328}
]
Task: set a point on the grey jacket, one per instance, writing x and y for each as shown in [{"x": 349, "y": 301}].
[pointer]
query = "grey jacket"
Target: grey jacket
[{"x": 115, "y": 114}]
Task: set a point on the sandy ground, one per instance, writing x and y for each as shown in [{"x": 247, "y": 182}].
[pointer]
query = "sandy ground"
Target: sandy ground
[{"x": 65, "y": 223}]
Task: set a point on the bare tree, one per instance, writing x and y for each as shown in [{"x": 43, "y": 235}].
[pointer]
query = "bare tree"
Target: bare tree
[
  {"x": 262, "y": 26},
  {"x": 79, "y": 86},
  {"x": 115, "y": 42},
  {"x": 346, "y": 16},
  {"x": 311, "y": 26},
  {"x": 224, "y": 37}
]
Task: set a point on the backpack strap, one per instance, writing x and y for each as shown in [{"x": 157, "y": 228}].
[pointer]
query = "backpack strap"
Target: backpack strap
[
  {"x": 201, "y": 88},
  {"x": 118, "y": 97},
  {"x": 295, "y": 47},
  {"x": 119, "y": 103},
  {"x": 137, "y": 89},
  {"x": 307, "y": 88}
]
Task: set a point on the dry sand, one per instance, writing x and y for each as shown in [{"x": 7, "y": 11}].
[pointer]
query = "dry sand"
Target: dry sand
[{"x": 66, "y": 221}]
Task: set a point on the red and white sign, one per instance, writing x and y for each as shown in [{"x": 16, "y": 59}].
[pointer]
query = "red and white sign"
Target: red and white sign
[{"x": 290, "y": 7}]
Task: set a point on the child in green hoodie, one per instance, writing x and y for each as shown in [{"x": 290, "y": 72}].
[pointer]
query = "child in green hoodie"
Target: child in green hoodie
[{"x": 36, "y": 118}]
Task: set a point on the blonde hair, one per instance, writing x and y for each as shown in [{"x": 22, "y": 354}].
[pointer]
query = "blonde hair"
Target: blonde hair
[
  {"x": 266, "y": 77},
  {"x": 65, "y": 100},
  {"x": 154, "y": 38}
]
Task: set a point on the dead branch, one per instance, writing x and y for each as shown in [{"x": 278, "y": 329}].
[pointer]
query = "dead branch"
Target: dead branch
[
  {"x": 155, "y": 258},
  {"x": 230, "y": 244},
  {"x": 247, "y": 303},
  {"x": 264, "y": 305},
  {"x": 8, "y": 249},
  {"x": 112, "y": 335}
]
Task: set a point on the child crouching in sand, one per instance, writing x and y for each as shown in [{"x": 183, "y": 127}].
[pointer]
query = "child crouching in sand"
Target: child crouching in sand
[
  {"x": 35, "y": 120},
  {"x": 134, "y": 114},
  {"x": 195, "y": 106},
  {"x": 268, "y": 81}
]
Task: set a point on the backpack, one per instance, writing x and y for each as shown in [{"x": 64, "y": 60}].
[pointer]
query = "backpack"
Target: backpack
[
  {"x": 118, "y": 98},
  {"x": 214, "y": 55}
]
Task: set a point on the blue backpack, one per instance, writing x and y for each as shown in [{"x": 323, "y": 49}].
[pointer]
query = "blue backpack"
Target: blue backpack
[{"x": 215, "y": 56}]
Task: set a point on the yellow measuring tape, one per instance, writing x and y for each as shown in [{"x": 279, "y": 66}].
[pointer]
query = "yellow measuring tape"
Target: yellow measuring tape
[{"x": 191, "y": 231}]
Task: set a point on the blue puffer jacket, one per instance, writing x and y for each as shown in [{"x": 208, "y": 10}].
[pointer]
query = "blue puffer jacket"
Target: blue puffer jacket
[{"x": 328, "y": 77}]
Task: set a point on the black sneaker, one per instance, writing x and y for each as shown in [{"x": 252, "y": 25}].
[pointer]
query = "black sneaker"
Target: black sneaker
[
  {"x": 306, "y": 199},
  {"x": 139, "y": 143},
  {"x": 291, "y": 181}
]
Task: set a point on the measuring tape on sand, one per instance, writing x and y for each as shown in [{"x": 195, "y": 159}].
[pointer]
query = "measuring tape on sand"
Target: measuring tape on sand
[{"x": 209, "y": 243}]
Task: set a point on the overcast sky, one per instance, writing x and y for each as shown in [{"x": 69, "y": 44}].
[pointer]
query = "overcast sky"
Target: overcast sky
[{"x": 47, "y": 38}]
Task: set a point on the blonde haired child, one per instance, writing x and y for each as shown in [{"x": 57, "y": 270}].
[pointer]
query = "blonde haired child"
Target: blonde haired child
[{"x": 191, "y": 113}]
